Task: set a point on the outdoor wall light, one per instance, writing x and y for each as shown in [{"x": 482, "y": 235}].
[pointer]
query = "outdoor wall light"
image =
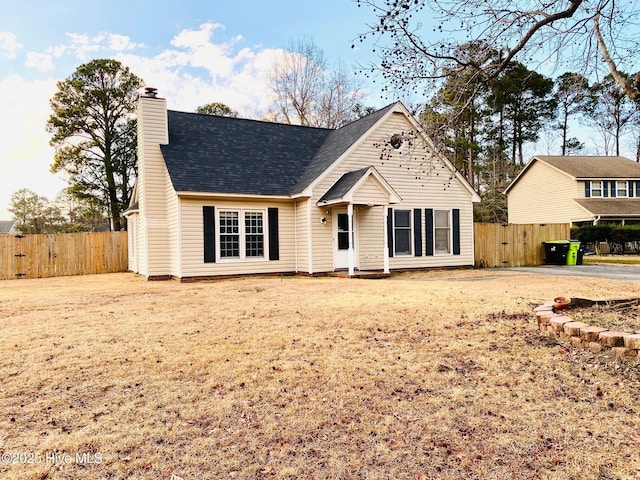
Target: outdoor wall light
[{"x": 323, "y": 220}]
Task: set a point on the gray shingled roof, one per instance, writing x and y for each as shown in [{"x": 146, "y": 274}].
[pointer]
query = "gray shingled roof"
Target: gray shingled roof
[
  {"x": 611, "y": 206},
  {"x": 594, "y": 167},
  {"x": 208, "y": 153},
  {"x": 343, "y": 185},
  {"x": 337, "y": 143},
  {"x": 6, "y": 225}
]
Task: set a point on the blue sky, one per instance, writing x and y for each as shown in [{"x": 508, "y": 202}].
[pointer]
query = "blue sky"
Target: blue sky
[{"x": 193, "y": 51}]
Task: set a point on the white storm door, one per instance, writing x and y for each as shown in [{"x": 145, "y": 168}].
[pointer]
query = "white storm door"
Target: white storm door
[{"x": 342, "y": 236}]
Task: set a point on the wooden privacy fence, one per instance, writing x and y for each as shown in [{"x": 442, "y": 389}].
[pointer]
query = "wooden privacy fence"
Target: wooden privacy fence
[
  {"x": 39, "y": 256},
  {"x": 515, "y": 245}
]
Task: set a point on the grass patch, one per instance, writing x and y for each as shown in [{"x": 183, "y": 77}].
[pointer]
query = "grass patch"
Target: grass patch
[
  {"x": 604, "y": 260},
  {"x": 424, "y": 375}
]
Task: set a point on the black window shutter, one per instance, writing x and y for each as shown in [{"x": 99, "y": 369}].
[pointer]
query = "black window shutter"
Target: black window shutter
[
  {"x": 605, "y": 188},
  {"x": 390, "y": 231},
  {"x": 630, "y": 188},
  {"x": 456, "y": 230},
  {"x": 417, "y": 232},
  {"x": 637, "y": 188},
  {"x": 587, "y": 189},
  {"x": 428, "y": 225},
  {"x": 613, "y": 188},
  {"x": 209, "y": 227},
  {"x": 274, "y": 243}
]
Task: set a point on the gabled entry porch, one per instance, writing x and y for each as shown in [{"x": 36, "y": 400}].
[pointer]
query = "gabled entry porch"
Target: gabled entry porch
[{"x": 358, "y": 202}]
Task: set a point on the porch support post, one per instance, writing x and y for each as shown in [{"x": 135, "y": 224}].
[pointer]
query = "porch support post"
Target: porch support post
[
  {"x": 386, "y": 241},
  {"x": 351, "y": 240}
]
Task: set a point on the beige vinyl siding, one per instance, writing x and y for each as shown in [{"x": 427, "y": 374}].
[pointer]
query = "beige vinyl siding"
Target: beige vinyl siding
[
  {"x": 154, "y": 245},
  {"x": 302, "y": 235},
  {"x": 371, "y": 237},
  {"x": 545, "y": 195},
  {"x": 132, "y": 241},
  {"x": 322, "y": 233},
  {"x": 371, "y": 192},
  {"x": 192, "y": 239},
  {"x": 439, "y": 190},
  {"x": 173, "y": 215}
]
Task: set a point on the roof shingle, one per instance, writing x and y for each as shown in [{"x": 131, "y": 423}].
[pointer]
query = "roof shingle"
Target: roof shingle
[
  {"x": 611, "y": 206},
  {"x": 208, "y": 153},
  {"x": 594, "y": 167}
]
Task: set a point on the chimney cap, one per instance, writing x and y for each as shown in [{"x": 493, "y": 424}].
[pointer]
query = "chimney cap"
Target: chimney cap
[{"x": 150, "y": 92}]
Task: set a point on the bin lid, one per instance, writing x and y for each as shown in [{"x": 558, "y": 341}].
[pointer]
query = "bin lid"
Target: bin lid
[{"x": 558, "y": 241}]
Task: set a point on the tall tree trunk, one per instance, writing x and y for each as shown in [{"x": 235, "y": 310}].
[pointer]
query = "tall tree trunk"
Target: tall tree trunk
[{"x": 564, "y": 133}]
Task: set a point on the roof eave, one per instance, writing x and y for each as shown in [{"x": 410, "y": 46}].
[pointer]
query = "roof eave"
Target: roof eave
[{"x": 188, "y": 194}]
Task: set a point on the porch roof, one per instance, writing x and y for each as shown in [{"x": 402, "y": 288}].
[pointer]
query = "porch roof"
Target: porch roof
[
  {"x": 611, "y": 207},
  {"x": 344, "y": 189}
]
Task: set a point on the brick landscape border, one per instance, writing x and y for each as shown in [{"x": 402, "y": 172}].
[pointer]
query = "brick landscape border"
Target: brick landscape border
[{"x": 581, "y": 335}]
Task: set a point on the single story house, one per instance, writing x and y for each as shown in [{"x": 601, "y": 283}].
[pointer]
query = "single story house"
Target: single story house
[
  {"x": 576, "y": 189},
  {"x": 8, "y": 227},
  {"x": 218, "y": 196}
]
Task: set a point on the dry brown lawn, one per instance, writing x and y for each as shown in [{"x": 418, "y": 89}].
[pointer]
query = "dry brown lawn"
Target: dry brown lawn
[{"x": 430, "y": 375}]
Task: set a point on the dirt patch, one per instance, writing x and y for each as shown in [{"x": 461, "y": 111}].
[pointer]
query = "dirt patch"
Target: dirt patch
[{"x": 421, "y": 376}]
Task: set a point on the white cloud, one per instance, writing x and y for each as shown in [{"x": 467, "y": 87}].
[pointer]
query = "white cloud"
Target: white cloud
[
  {"x": 199, "y": 70},
  {"x": 43, "y": 62},
  {"x": 9, "y": 44},
  {"x": 85, "y": 47},
  {"x": 196, "y": 69},
  {"x": 192, "y": 39},
  {"x": 120, "y": 43}
]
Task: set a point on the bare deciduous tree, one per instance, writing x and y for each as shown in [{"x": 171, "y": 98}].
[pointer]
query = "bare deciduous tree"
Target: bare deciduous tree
[
  {"x": 590, "y": 34},
  {"x": 309, "y": 92},
  {"x": 614, "y": 114}
]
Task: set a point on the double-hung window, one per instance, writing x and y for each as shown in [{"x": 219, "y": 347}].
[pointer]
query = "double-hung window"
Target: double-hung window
[
  {"x": 442, "y": 232},
  {"x": 622, "y": 188},
  {"x": 402, "y": 232},
  {"x": 596, "y": 188},
  {"x": 254, "y": 234},
  {"x": 242, "y": 234}
]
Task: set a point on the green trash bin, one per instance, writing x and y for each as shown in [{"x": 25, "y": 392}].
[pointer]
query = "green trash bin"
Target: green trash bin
[
  {"x": 572, "y": 254},
  {"x": 556, "y": 252}
]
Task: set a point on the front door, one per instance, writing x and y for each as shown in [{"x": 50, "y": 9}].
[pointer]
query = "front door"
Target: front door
[{"x": 342, "y": 236}]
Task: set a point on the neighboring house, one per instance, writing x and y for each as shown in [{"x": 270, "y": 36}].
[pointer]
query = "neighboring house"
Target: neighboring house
[
  {"x": 578, "y": 190},
  {"x": 8, "y": 227},
  {"x": 222, "y": 196}
]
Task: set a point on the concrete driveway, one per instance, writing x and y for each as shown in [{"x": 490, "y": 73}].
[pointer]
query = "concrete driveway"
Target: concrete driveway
[{"x": 615, "y": 272}]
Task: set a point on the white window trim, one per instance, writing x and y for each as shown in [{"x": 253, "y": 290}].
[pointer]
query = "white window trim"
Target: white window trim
[
  {"x": 601, "y": 188},
  {"x": 626, "y": 188},
  {"x": 242, "y": 235},
  {"x": 449, "y": 251},
  {"x": 395, "y": 244}
]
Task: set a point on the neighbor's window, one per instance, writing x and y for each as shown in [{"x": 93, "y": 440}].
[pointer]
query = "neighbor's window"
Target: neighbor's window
[
  {"x": 596, "y": 188},
  {"x": 241, "y": 243},
  {"x": 442, "y": 231},
  {"x": 622, "y": 188},
  {"x": 402, "y": 232}
]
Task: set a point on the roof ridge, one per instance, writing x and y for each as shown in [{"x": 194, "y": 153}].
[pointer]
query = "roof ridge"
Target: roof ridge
[{"x": 267, "y": 122}]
